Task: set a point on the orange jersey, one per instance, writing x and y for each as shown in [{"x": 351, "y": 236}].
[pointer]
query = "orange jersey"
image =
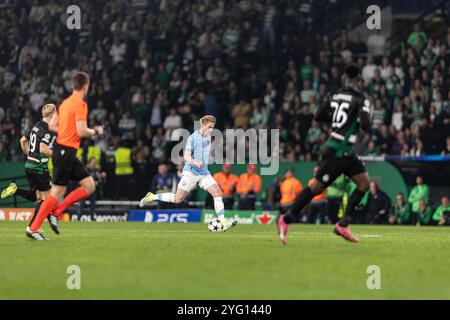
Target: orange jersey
[
  {"x": 247, "y": 183},
  {"x": 70, "y": 111},
  {"x": 227, "y": 183},
  {"x": 289, "y": 190},
  {"x": 320, "y": 196}
]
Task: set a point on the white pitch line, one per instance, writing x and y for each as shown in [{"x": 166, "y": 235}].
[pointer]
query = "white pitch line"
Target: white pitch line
[{"x": 371, "y": 236}]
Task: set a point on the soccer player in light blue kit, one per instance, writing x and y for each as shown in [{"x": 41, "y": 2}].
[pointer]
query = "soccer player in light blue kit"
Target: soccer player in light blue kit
[{"x": 195, "y": 171}]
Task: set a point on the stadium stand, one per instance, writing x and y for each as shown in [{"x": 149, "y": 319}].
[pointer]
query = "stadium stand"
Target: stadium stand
[{"x": 159, "y": 65}]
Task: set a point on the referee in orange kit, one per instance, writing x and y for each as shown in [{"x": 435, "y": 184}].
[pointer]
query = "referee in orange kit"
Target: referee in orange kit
[{"x": 70, "y": 124}]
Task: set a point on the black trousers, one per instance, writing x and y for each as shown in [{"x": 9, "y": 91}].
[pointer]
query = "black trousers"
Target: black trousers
[
  {"x": 247, "y": 203},
  {"x": 316, "y": 210},
  {"x": 228, "y": 202}
]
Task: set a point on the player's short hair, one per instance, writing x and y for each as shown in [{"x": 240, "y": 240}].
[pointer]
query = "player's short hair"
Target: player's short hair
[
  {"x": 48, "y": 110},
  {"x": 207, "y": 119},
  {"x": 351, "y": 70},
  {"x": 79, "y": 80}
]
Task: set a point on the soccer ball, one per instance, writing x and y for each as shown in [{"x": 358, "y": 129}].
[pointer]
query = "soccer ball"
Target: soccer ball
[{"x": 215, "y": 225}]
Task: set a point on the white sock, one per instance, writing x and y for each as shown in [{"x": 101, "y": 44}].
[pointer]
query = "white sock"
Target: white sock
[
  {"x": 219, "y": 207},
  {"x": 166, "y": 197}
]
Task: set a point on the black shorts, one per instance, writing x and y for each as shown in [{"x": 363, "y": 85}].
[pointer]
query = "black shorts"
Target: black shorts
[
  {"x": 38, "y": 181},
  {"x": 332, "y": 167},
  {"x": 66, "y": 166}
]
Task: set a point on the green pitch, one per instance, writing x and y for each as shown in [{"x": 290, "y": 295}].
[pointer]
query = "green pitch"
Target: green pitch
[{"x": 185, "y": 261}]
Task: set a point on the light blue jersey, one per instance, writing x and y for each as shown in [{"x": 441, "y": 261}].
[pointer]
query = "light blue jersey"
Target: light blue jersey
[{"x": 200, "y": 147}]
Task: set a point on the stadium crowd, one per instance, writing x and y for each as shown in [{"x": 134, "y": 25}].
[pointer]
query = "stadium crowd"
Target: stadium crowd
[
  {"x": 240, "y": 192},
  {"x": 159, "y": 65}
]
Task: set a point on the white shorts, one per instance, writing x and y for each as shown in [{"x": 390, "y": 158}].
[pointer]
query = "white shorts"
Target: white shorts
[{"x": 189, "y": 181}]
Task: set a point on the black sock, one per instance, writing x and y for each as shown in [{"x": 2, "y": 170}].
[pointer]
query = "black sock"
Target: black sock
[
  {"x": 353, "y": 202},
  {"x": 35, "y": 213},
  {"x": 300, "y": 202},
  {"x": 27, "y": 194}
]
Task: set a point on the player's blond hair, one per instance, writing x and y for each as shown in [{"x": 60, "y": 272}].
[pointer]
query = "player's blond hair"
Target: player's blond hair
[
  {"x": 207, "y": 119},
  {"x": 48, "y": 110}
]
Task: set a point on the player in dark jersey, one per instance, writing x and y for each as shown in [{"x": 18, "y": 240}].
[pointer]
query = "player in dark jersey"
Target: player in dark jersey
[
  {"x": 347, "y": 110},
  {"x": 37, "y": 145}
]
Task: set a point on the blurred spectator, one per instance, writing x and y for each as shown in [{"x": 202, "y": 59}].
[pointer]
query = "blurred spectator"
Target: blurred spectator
[
  {"x": 248, "y": 186},
  {"x": 356, "y": 46},
  {"x": 290, "y": 187},
  {"x": 241, "y": 114},
  {"x": 368, "y": 71},
  {"x": 127, "y": 127},
  {"x": 171, "y": 122},
  {"x": 141, "y": 150},
  {"x": 400, "y": 213},
  {"x": 28, "y": 51},
  {"x": 419, "y": 193},
  {"x": 117, "y": 50},
  {"x": 372, "y": 149},
  {"x": 163, "y": 181},
  {"x": 37, "y": 98},
  {"x": 377, "y": 206},
  {"x": 272, "y": 195},
  {"x": 384, "y": 140},
  {"x": 216, "y": 72},
  {"x": 417, "y": 38},
  {"x": 418, "y": 149},
  {"x": 99, "y": 113},
  {"x": 123, "y": 171},
  {"x": 423, "y": 215},
  {"x": 260, "y": 115},
  {"x": 156, "y": 114},
  {"x": 376, "y": 43},
  {"x": 442, "y": 214},
  {"x": 397, "y": 117},
  {"x": 379, "y": 115},
  {"x": 270, "y": 97},
  {"x": 306, "y": 71},
  {"x": 159, "y": 146},
  {"x": 231, "y": 36}
]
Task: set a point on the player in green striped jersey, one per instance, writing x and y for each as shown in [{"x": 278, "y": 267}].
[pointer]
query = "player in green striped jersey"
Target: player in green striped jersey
[
  {"x": 347, "y": 110},
  {"x": 37, "y": 145}
]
